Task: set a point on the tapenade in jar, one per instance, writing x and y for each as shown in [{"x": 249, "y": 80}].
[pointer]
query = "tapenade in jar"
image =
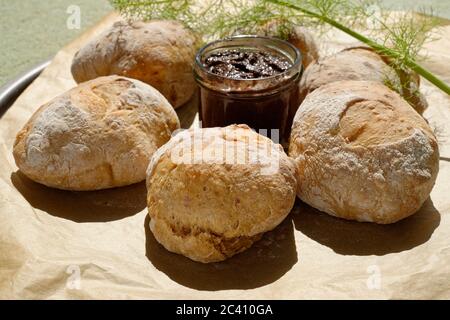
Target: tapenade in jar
[{"x": 249, "y": 79}]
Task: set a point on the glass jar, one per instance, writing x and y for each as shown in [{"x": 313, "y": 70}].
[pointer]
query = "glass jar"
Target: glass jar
[{"x": 267, "y": 103}]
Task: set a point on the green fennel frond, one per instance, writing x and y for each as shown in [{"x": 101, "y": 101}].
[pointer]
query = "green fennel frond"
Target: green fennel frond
[{"x": 399, "y": 38}]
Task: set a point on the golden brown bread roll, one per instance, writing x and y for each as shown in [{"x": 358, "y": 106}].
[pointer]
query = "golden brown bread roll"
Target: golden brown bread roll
[
  {"x": 357, "y": 63},
  {"x": 363, "y": 153},
  {"x": 301, "y": 38},
  {"x": 213, "y": 192},
  {"x": 100, "y": 134},
  {"x": 159, "y": 53},
  {"x": 298, "y": 36}
]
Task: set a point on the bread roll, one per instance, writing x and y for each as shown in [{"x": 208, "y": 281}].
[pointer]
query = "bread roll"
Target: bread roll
[
  {"x": 159, "y": 53},
  {"x": 301, "y": 38},
  {"x": 357, "y": 63},
  {"x": 213, "y": 192},
  {"x": 98, "y": 135},
  {"x": 363, "y": 153}
]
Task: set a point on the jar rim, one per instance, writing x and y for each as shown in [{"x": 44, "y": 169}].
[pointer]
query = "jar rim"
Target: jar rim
[{"x": 296, "y": 64}]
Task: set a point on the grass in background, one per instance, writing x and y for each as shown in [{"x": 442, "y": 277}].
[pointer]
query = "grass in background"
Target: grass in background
[{"x": 34, "y": 30}]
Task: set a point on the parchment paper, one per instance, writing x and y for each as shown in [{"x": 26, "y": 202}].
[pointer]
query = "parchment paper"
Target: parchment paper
[{"x": 82, "y": 245}]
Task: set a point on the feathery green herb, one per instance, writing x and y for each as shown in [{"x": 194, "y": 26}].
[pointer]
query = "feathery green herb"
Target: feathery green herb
[{"x": 398, "y": 38}]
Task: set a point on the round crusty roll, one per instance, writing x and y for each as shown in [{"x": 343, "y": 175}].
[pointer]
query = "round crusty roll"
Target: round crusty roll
[
  {"x": 357, "y": 63},
  {"x": 301, "y": 38},
  {"x": 159, "y": 53},
  {"x": 363, "y": 153},
  {"x": 350, "y": 64},
  {"x": 100, "y": 134},
  {"x": 213, "y": 192}
]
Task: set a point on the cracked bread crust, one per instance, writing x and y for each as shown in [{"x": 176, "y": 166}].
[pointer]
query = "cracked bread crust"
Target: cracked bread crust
[
  {"x": 202, "y": 246},
  {"x": 100, "y": 134},
  {"x": 363, "y": 153},
  {"x": 210, "y": 211},
  {"x": 159, "y": 53}
]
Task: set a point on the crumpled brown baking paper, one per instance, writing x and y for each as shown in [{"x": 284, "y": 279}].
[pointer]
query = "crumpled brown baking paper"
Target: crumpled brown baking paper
[{"x": 82, "y": 245}]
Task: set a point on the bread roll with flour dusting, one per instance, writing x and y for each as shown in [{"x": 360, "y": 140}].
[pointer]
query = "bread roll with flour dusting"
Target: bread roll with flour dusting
[
  {"x": 350, "y": 64},
  {"x": 98, "y": 135},
  {"x": 363, "y": 153},
  {"x": 363, "y": 64}
]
